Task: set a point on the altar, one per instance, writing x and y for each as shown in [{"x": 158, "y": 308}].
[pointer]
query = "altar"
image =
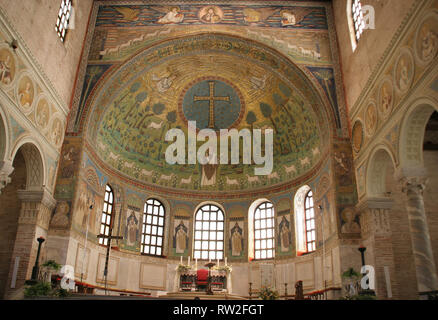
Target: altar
[{"x": 189, "y": 278}]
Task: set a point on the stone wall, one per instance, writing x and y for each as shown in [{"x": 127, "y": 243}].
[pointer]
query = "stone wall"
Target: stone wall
[
  {"x": 35, "y": 22},
  {"x": 358, "y": 66}
]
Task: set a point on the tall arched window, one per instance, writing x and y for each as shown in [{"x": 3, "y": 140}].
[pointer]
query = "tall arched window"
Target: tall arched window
[
  {"x": 152, "y": 237},
  {"x": 264, "y": 231},
  {"x": 209, "y": 233},
  {"x": 310, "y": 222},
  {"x": 358, "y": 20},
  {"x": 305, "y": 230},
  {"x": 107, "y": 211},
  {"x": 64, "y": 15}
]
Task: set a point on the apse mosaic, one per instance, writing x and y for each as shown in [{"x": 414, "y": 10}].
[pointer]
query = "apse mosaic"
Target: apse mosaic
[
  {"x": 153, "y": 68},
  {"x": 168, "y": 91}
]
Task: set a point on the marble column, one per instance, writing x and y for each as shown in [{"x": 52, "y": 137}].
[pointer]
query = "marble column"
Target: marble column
[
  {"x": 6, "y": 169},
  {"x": 421, "y": 243},
  {"x": 33, "y": 222}
]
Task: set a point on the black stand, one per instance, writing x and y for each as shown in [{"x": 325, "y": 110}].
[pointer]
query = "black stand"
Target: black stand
[
  {"x": 36, "y": 268},
  {"x": 108, "y": 248}
]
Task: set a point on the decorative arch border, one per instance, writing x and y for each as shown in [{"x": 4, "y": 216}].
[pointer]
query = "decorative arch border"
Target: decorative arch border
[
  {"x": 412, "y": 131},
  {"x": 372, "y": 167},
  {"x": 4, "y": 129},
  {"x": 28, "y": 139}
]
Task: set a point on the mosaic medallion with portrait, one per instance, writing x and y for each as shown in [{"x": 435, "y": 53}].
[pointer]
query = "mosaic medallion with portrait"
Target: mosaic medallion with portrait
[
  {"x": 386, "y": 98},
  {"x": 371, "y": 119},
  {"x": 7, "y": 67},
  {"x": 211, "y": 14},
  {"x": 404, "y": 71},
  {"x": 426, "y": 44},
  {"x": 42, "y": 113},
  {"x": 26, "y": 93},
  {"x": 56, "y": 132},
  {"x": 357, "y": 136}
]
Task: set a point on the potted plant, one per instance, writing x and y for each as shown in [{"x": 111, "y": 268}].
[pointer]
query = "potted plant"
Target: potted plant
[
  {"x": 267, "y": 293},
  {"x": 183, "y": 268},
  {"x": 351, "y": 282},
  {"x": 50, "y": 266}
]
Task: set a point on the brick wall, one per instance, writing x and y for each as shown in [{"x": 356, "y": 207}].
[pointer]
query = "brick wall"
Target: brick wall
[{"x": 9, "y": 212}]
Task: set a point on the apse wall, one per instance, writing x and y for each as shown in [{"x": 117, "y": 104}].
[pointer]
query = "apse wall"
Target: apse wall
[
  {"x": 131, "y": 270},
  {"x": 147, "y": 59}
]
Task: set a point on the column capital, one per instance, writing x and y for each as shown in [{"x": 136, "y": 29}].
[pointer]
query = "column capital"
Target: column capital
[
  {"x": 42, "y": 195},
  {"x": 412, "y": 179},
  {"x": 375, "y": 203},
  {"x": 6, "y": 169}
]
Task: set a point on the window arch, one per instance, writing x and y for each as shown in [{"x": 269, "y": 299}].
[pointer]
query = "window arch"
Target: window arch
[
  {"x": 107, "y": 212},
  {"x": 264, "y": 242},
  {"x": 305, "y": 228},
  {"x": 209, "y": 233},
  {"x": 152, "y": 238},
  {"x": 63, "y": 20}
]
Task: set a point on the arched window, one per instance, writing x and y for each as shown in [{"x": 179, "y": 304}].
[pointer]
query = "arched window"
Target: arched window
[
  {"x": 107, "y": 211},
  {"x": 64, "y": 15},
  {"x": 264, "y": 231},
  {"x": 310, "y": 222},
  {"x": 358, "y": 20},
  {"x": 305, "y": 230},
  {"x": 152, "y": 237},
  {"x": 209, "y": 233}
]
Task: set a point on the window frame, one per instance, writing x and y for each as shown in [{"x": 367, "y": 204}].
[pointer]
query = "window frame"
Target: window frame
[
  {"x": 307, "y": 219},
  {"x": 202, "y": 221},
  {"x": 107, "y": 201},
  {"x": 266, "y": 228},
  {"x": 358, "y": 19},
  {"x": 61, "y": 27},
  {"x": 143, "y": 242}
]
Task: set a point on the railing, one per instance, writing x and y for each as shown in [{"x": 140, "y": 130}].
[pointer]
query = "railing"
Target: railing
[{"x": 313, "y": 295}]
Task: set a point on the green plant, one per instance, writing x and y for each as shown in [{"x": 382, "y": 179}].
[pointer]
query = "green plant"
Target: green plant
[
  {"x": 266, "y": 293},
  {"x": 226, "y": 268},
  {"x": 350, "y": 274},
  {"x": 183, "y": 268},
  {"x": 38, "y": 289},
  {"x": 52, "y": 264},
  {"x": 359, "y": 297}
]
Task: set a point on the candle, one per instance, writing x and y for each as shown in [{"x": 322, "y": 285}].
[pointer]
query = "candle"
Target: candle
[
  {"x": 217, "y": 262},
  {"x": 226, "y": 261},
  {"x": 209, "y": 260},
  {"x": 196, "y": 263},
  {"x": 180, "y": 262},
  {"x": 188, "y": 261}
]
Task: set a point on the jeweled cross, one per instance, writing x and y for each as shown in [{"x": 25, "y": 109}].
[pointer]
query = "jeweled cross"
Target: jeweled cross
[{"x": 211, "y": 98}]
